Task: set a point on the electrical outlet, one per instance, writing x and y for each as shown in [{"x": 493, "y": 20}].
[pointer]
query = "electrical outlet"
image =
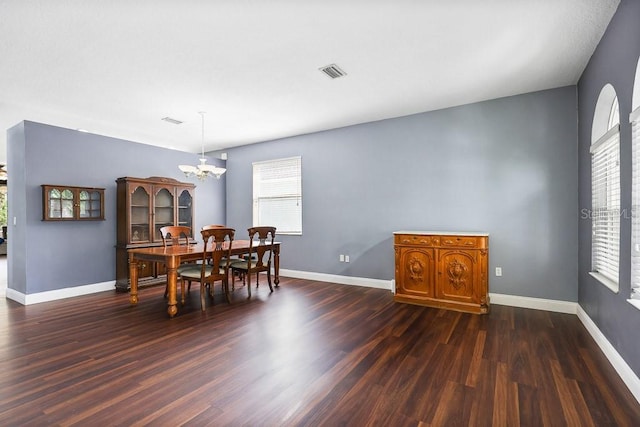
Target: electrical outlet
[
  {"x": 341, "y": 258},
  {"x": 498, "y": 271},
  {"x": 346, "y": 258}
]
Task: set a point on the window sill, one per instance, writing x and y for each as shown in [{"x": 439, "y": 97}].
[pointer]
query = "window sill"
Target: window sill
[
  {"x": 605, "y": 281},
  {"x": 634, "y": 302}
]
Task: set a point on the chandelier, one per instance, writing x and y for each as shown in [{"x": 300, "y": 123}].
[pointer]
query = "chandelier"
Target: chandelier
[{"x": 203, "y": 170}]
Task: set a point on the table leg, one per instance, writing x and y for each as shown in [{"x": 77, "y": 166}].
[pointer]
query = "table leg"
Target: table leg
[
  {"x": 276, "y": 265},
  {"x": 172, "y": 285},
  {"x": 133, "y": 277}
]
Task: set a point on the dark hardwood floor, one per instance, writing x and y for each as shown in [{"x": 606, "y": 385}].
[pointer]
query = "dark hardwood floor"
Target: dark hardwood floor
[{"x": 309, "y": 354}]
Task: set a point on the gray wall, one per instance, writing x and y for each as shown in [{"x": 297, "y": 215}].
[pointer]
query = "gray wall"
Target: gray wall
[
  {"x": 614, "y": 61},
  {"x": 54, "y": 255},
  {"x": 16, "y": 202},
  {"x": 507, "y": 167}
]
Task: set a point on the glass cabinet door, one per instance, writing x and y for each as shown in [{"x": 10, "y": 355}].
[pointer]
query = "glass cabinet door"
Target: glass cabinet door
[
  {"x": 60, "y": 203},
  {"x": 90, "y": 206},
  {"x": 163, "y": 211},
  {"x": 185, "y": 209},
  {"x": 140, "y": 215}
]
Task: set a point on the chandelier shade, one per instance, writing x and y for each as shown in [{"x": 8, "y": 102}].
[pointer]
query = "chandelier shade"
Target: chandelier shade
[{"x": 203, "y": 170}]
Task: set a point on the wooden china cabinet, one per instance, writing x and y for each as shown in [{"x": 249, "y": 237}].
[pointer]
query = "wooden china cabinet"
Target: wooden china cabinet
[
  {"x": 144, "y": 206},
  {"x": 443, "y": 269}
]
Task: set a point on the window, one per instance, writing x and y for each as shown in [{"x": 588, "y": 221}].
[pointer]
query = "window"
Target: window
[
  {"x": 635, "y": 213},
  {"x": 634, "y": 119},
  {"x": 277, "y": 194},
  {"x": 605, "y": 193}
]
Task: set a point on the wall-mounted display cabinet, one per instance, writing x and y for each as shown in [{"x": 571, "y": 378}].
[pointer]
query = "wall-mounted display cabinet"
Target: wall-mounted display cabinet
[
  {"x": 443, "y": 269},
  {"x": 144, "y": 206},
  {"x": 67, "y": 203}
]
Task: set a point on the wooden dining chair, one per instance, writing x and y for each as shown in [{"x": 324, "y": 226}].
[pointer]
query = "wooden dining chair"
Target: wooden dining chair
[
  {"x": 209, "y": 227},
  {"x": 214, "y": 266},
  {"x": 175, "y": 235},
  {"x": 259, "y": 257}
]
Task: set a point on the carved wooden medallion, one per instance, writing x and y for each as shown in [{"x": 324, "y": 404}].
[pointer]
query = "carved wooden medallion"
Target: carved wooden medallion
[
  {"x": 416, "y": 268},
  {"x": 457, "y": 274}
]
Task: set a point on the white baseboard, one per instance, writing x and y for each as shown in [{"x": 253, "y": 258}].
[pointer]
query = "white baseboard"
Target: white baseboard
[
  {"x": 28, "y": 299},
  {"x": 535, "y": 303},
  {"x": 334, "y": 278},
  {"x": 622, "y": 368},
  {"x": 499, "y": 299}
]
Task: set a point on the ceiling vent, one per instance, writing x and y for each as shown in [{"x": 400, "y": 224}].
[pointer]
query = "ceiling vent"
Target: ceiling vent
[
  {"x": 333, "y": 71},
  {"x": 170, "y": 120}
]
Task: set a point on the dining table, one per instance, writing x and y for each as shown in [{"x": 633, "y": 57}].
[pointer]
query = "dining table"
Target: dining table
[{"x": 173, "y": 256}]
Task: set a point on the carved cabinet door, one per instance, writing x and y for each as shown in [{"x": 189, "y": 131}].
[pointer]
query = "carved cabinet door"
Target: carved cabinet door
[
  {"x": 415, "y": 271},
  {"x": 458, "y": 275}
]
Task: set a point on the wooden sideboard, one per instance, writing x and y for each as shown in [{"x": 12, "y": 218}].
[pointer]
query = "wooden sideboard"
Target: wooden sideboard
[{"x": 443, "y": 269}]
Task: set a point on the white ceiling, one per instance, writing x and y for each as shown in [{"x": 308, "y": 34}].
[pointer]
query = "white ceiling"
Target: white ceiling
[{"x": 117, "y": 67}]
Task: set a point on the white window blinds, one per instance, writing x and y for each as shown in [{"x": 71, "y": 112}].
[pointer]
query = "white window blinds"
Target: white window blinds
[
  {"x": 634, "y": 118},
  {"x": 277, "y": 194},
  {"x": 605, "y": 179}
]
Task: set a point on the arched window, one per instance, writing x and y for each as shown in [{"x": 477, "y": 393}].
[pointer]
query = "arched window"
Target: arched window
[
  {"x": 614, "y": 114},
  {"x": 634, "y": 119},
  {"x": 605, "y": 189}
]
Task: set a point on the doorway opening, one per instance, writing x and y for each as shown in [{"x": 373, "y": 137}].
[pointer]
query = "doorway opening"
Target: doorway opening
[{"x": 3, "y": 236}]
